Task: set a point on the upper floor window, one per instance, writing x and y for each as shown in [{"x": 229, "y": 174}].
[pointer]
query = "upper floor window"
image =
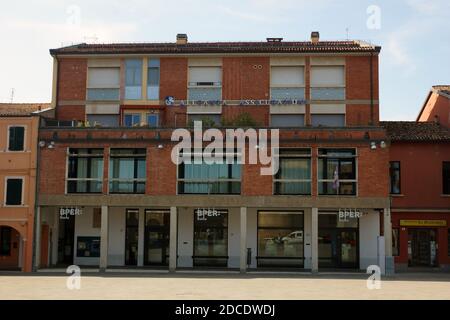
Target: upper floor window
[
  {"x": 294, "y": 173},
  {"x": 328, "y": 83},
  {"x": 132, "y": 119},
  {"x": 103, "y": 84},
  {"x": 14, "y": 191},
  {"x": 133, "y": 79},
  {"x": 206, "y": 178},
  {"x": 153, "y": 120},
  {"x": 446, "y": 177},
  {"x": 287, "y": 82},
  {"x": 16, "y": 141},
  {"x": 85, "y": 171},
  {"x": 205, "y": 83},
  {"x": 153, "y": 79},
  {"x": 394, "y": 172},
  {"x": 337, "y": 172},
  {"x": 127, "y": 171}
]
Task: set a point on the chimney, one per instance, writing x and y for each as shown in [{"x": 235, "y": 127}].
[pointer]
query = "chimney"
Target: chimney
[
  {"x": 315, "y": 36},
  {"x": 182, "y": 38}
]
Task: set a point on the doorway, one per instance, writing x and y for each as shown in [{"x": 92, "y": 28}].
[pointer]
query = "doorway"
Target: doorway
[
  {"x": 210, "y": 238},
  {"x": 66, "y": 234},
  {"x": 131, "y": 237},
  {"x": 422, "y": 248},
  {"x": 157, "y": 232},
  {"x": 338, "y": 248}
]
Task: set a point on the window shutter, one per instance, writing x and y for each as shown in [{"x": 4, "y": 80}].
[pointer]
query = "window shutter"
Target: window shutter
[
  {"x": 16, "y": 138},
  {"x": 14, "y": 192},
  {"x": 205, "y": 74},
  {"x": 287, "y": 76},
  {"x": 104, "y": 78},
  {"x": 327, "y": 76}
]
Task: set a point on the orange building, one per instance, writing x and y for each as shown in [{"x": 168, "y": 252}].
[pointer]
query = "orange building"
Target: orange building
[
  {"x": 437, "y": 106},
  {"x": 19, "y": 125}
]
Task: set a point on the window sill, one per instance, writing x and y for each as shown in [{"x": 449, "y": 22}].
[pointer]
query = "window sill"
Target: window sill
[
  {"x": 14, "y": 206},
  {"x": 398, "y": 195},
  {"x": 445, "y": 195}
]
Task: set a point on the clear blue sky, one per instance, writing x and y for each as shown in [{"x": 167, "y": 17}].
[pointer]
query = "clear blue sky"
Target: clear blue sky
[{"x": 414, "y": 35}]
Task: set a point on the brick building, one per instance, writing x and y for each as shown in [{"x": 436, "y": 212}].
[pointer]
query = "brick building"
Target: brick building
[
  {"x": 19, "y": 124},
  {"x": 110, "y": 195}
]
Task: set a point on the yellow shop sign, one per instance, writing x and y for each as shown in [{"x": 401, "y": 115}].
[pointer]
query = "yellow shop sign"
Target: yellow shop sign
[{"x": 423, "y": 223}]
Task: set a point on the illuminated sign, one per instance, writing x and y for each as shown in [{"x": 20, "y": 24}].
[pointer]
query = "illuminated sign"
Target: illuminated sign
[
  {"x": 423, "y": 223},
  {"x": 64, "y": 213},
  {"x": 346, "y": 214}
]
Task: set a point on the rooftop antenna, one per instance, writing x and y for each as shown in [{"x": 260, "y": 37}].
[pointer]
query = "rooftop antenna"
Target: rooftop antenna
[{"x": 12, "y": 95}]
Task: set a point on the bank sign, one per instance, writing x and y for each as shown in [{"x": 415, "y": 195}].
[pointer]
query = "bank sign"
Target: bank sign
[
  {"x": 65, "y": 213},
  {"x": 210, "y": 216},
  {"x": 345, "y": 215}
]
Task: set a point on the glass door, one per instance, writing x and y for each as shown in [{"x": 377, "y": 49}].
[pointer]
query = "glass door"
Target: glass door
[
  {"x": 131, "y": 237},
  {"x": 422, "y": 249},
  {"x": 156, "y": 244},
  {"x": 348, "y": 255},
  {"x": 211, "y": 238}
]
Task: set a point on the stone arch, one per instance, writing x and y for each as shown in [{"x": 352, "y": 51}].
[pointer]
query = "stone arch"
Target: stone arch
[{"x": 16, "y": 258}]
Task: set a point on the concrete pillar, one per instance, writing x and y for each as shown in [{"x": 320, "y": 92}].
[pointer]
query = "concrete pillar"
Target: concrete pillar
[
  {"x": 104, "y": 240},
  {"x": 243, "y": 240},
  {"x": 388, "y": 241},
  {"x": 141, "y": 232},
  {"x": 173, "y": 239},
  {"x": 314, "y": 239}
]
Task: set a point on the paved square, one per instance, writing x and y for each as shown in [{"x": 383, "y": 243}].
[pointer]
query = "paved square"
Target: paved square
[{"x": 224, "y": 286}]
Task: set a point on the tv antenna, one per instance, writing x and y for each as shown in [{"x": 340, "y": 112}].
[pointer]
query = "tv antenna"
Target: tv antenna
[{"x": 12, "y": 95}]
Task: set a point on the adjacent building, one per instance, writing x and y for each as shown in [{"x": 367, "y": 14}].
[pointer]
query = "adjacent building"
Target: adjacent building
[
  {"x": 437, "y": 106},
  {"x": 110, "y": 195},
  {"x": 19, "y": 125}
]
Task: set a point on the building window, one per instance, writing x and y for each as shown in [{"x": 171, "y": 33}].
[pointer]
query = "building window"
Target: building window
[
  {"x": 198, "y": 177},
  {"x": 208, "y": 120},
  {"x": 16, "y": 140},
  {"x": 133, "y": 79},
  {"x": 294, "y": 173},
  {"x": 5, "y": 241},
  {"x": 132, "y": 119},
  {"x": 205, "y": 83},
  {"x": 328, "y": 83},
  {"x": 395, "y": 242},
  {"x": 287, "y": 120},
  {"x": 85, "y": 171},
  {"x": 287, "y": 83},
  {"x": 14, "y": 188},
  {"x": 153, "y": 79},
  {"x": 127, "y": 171},
  {"x": 103, "y": 84},
  {"x": 337, "y": 172},
  {"x": 280, "y": 239},
  {"x": 153, "y": 120},
  {"x": 394, "y": 172},
  {"x": 446, "y": 177}
]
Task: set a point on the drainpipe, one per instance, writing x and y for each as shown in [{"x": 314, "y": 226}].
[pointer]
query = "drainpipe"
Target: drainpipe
[
  {"x": 36, "y": 200},
  {"x": 57, "y": 87},
  {"x": 371, "y": 89}
]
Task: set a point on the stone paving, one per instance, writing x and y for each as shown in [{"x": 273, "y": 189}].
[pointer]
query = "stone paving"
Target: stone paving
[{"x": 223, "y": 286}]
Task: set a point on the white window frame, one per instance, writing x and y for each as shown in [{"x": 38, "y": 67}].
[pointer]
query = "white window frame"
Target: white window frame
[
  {"x": 24, "y": 138},
  {"x": 215, "y": 84},
  {"x": 22, "y": 203}
]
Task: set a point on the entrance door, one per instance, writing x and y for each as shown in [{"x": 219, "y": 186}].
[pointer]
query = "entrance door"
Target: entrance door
[
  {"x": 422, "y": 247},
  {"x": 338, "y": 248},
  {"x": 211, "y": 238},
  {"x": 157, "y": 231},
  {"x": 131, "y": 237},
  {"x": 66, "y": 236}
]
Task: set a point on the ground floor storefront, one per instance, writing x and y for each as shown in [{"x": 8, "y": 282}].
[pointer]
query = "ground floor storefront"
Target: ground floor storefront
[
  {"x": 421, "y": 239},
  {"x": 219, "y": 237}
]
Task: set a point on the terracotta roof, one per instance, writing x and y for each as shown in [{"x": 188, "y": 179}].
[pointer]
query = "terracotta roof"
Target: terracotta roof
[
  {"x": 445, "y": 89},
  {"x": 21, "y": 109},
  {"x": 218, "y": 47},
  {"x": 415, "y": 131}
]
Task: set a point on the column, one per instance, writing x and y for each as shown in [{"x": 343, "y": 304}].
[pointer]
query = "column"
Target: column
[
  {"x": 104, "y": 240},
  {"x": 243, "y": 239},
  {"x": 173, "y": 239},
  {"x": 314, "y": 240},
  {"x": 141, "y": 233},
  {"x": 388, "y": 240}
]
